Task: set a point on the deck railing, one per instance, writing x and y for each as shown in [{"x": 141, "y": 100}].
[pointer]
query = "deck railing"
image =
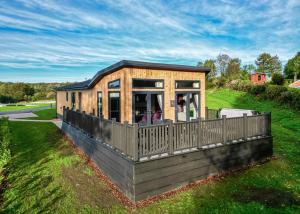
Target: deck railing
[{"x": 138, "y": 142}]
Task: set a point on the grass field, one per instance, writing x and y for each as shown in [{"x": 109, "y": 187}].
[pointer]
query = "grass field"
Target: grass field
[
  {"x": 45, "y": 114},
  {"x": 22, "y": 106},
  {"x": 45, "y": 175}
]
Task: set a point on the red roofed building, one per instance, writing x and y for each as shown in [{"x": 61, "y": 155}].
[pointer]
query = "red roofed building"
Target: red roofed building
[
  {"x": 295, "y": 84},
  {"x": 258, "y": 78}
]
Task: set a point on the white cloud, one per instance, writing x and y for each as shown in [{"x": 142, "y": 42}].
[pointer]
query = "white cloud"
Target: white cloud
[{"x": 50, "y": 35}]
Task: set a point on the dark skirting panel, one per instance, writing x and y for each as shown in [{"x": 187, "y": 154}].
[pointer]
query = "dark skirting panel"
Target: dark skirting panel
[{"x": 141, "y": 180}]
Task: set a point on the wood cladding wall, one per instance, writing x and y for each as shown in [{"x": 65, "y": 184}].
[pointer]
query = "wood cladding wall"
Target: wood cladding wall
[{"x": 89, "y": 97}]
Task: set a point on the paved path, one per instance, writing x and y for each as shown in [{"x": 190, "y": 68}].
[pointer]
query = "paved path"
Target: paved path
[
  {"x": 25, "y": 110},
  {"x": 56, "y": 122},
  {"x": 19, "y": 115}
]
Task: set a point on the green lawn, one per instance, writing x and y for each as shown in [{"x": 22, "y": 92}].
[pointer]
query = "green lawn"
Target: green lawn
[
  {"x": 46, "y": 175},
  {"x": 22, "y": 106},
  {"x": 45, "y": 114}
]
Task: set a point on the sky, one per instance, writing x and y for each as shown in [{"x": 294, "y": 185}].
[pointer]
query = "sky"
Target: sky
[{"x": 59, "y": 41}]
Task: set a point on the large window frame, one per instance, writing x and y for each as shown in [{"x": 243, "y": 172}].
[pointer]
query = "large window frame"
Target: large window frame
[
  {"x": 99, "y": 99},
  {"x": 148, "y": 94},
  {"x": 187, "y": 104},
  {"x": 185, "y": 81},
  {"x": 117, "y": 87},
  {"x": 109, "y": 105},
  {"x": 145, "y": 80}
]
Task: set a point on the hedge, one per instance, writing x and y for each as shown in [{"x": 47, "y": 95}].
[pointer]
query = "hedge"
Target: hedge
[
  {"x": 278, "y": 93},
  {"x": 4, "y": 143}
]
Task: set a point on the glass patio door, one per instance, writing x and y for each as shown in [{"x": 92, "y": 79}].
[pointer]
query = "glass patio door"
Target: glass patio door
[
  {"x": 147, "y": 107},
  {"x": 187, "y": 106}
]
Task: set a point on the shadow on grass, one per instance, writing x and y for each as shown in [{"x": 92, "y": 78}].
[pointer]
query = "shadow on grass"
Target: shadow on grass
[{"x": 270, "y": 197}]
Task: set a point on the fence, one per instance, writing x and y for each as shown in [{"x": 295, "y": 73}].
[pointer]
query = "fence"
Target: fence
[
  {"x": 116, "y": 135},
  {"x": 145, "y": 141}
]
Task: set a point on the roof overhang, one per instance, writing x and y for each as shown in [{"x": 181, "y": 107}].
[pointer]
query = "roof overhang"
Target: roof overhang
[{"x": 134, "y": 64}]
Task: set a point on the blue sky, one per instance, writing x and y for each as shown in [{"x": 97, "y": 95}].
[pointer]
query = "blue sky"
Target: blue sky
[{"x": 57, "y": 41}]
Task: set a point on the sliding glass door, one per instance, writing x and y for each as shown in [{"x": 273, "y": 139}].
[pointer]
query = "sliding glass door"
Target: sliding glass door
[
  {"x": 147, "y": 107},
  {"x": 114, "y": 106},
  {"x": 187, "y": 106}
]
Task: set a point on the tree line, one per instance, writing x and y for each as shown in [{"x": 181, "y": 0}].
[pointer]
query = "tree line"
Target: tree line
[
  {"x": 224, "y": 68},
  {"x": 16, "y": 92}
]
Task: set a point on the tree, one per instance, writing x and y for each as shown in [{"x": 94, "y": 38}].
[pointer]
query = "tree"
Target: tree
[
  {"x": 210, "y": 63},
  {"x": 222, "y": 63},
  {"x": 28, "y": 91},
  {"x": 292, "y": 68},
  {"x": 233, "y": 70},
  {"x": 277, "y": 79},
  {"x": 200, "y": 64},
  {"x": 249, "y": 68},
  {"x": 268, "y": 64}
]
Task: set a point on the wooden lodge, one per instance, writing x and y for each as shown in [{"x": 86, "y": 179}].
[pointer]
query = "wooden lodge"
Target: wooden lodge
[
  {"x": 145, "y": 125},
  {"x": 139, "y": 92}
]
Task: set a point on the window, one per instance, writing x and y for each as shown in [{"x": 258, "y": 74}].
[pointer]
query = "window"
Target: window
[
  {"x": 187, "y": 84},
  {"x": 99, "y": 104},
  {"x": 114, "y": 105},
  {"x": 142, "y": 83},
  {"x": 67, "y": 96},
  {"x": 114, "y": 84},
  {"x": 259, "y": 78},
  {"x": 73, "y": 99}
]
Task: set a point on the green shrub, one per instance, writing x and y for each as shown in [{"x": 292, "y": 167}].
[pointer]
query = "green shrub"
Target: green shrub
[
  {"x": 286, "y": 98},
  {"x": 274, "y": 91},
  {"x": 257, "y": 89},
  {"x": 277, "y": 79},
  {"x": 4, "y": 143},
  {"x": 220, "y": 82},
  {"x": 295, "y": 103}
]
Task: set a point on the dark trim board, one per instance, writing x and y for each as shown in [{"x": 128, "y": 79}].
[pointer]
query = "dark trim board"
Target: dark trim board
[{"x": 141, "y": 180}]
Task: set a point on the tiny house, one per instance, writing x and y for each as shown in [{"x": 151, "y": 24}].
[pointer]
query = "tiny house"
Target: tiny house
[
  {"x": 139, "y": 92},
  {"x": 258, "y": 78}
]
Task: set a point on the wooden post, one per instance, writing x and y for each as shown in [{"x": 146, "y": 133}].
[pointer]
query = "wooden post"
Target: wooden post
[
  {"x": 101, "y": 127},
  {"x": 269, "y": 123},
  {"x": 171, "y": 145},
  {"x": 245, "y": 127},
  {"x": 113, "y": 131},
  {"x": 206, "y": 113},
  {"x": 135, "y": 142},
  {"x": 200, "y": 131},
  {"x": 224, "y": 129},
  {"x": 125, "y": 136}
]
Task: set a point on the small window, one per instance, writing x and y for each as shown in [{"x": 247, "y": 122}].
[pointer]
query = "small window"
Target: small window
[
  {"x": 99, "y": 104},
  {"x": 73, "y": 99},
  {"x": 187, "y": 84},
  {"x": 114, "y": 106},
  {"x": 140, "y": 83},
  {"x": 67, "y": 96},
  {"x": 114, "y": 84},
  {"x": 259, "y": 78}
]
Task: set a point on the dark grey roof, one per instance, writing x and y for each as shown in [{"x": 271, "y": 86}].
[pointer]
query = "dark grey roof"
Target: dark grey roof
[
  {"x": 131, "y": 64},
  {"x": 75, "y": 86}
]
